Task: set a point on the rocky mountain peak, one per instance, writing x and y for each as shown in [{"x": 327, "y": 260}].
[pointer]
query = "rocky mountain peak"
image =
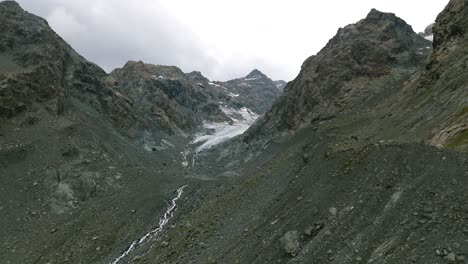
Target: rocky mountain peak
[
  {"x": 197, "y": 76},
  {"x": 344, "y": 71},
  {"x": 375, "y": 14},
  {"x": 256, "y": 74},
  {"x": 153, "y": 71},
  {"x": 10, "y": 4}
]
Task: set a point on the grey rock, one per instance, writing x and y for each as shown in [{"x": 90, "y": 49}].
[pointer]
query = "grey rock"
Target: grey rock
[
  {"x": 230, "y": 173},
  {"x": 290, "y": 242},
  {"x": 451, "y": 257}
]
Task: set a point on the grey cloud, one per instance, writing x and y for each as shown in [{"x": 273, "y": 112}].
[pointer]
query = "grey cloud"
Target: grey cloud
[{"x": 110, "y": 35}]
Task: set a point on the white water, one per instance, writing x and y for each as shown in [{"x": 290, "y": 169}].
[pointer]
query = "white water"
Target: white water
[{"x": 151, "y": 234}]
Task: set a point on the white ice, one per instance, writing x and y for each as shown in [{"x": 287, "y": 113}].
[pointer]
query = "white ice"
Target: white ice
[{"x": 224, "y": 131}]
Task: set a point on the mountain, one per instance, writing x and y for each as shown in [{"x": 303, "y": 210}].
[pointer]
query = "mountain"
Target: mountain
[
  {"x": 72, "y": 150},
  {"x": 79, "y": 146},
  {"x": 256, "y": 91},
  {"x": 362, "y": 62},
  {"x": 38, "y": 67},
  {"x": 176, "y": 101},
  {"x": 363, "y": 159}
]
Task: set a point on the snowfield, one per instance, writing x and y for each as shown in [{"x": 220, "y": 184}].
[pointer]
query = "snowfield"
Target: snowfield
[{"x": 220, "y": 132}]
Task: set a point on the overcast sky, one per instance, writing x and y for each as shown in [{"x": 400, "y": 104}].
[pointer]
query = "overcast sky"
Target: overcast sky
[{"x": 223, "y": 39}]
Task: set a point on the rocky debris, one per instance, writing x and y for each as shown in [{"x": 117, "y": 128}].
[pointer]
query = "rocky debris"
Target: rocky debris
[
  {"x": 451, "y": 257},
  {"x": 165, "y": 244},
  {"x": 290, "y": 242},
  {"x": 136, "y": 259},
  {"x": 230, "y": 173},
  {"x": 312, "y": 231},
  {"x": 333, "y": 211}
]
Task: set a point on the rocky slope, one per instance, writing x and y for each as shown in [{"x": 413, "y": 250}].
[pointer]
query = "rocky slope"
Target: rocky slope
[
  {"x": 344, "y": 170},
  {"x": 40, "y": 70},
  {"x": 88, "y": 159},
  {"x": 182, "y": 101},
  {"x": 178, "y": 102},
  {"x": 362, "y": 62},
  {"x": 362, "y": 160},
  {"x": 72, "y": 152}
]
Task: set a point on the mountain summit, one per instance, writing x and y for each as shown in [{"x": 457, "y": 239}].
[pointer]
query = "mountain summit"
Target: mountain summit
[
  {"x": 362, "y": 61},
  {"x": 256, "y": 74}
]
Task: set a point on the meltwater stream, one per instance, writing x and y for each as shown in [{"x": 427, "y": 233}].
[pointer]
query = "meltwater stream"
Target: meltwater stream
[{"x": 162, "y": 222}]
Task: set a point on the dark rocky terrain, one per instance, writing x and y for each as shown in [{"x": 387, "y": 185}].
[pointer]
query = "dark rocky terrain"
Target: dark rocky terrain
[
  {"x": 178, "y": 102},
  {"x": 256, "y": 91},
  {"x": 363, "y": 159}
]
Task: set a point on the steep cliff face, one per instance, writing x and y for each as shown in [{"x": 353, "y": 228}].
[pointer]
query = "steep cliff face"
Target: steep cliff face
[
  {"x": 174, "y": 100},
  {"x": 39, "y": 69},
  {"x": 448, "y": 72},
  {"x": 363, "y": 61},
  {"x": 433, "y": 104}
]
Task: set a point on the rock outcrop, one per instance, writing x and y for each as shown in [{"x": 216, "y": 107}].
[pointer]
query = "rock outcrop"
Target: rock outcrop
[{"x": 175, "y": 101}]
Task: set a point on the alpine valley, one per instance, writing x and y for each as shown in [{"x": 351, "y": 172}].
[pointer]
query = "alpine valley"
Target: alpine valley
[{"x": 362, "y": 158}]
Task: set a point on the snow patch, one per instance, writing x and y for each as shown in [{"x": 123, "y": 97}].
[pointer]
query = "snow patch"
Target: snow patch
[
  {"x": 220, "y": 132},
  {"x": 233, "y": 94}
]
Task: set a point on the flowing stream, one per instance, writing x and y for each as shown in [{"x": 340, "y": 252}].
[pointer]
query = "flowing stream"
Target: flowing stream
[{"x": 154, "y": 232}]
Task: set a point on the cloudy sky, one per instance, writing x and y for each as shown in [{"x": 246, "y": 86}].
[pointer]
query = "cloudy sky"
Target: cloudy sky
[{"x": 223, "y": 39}]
